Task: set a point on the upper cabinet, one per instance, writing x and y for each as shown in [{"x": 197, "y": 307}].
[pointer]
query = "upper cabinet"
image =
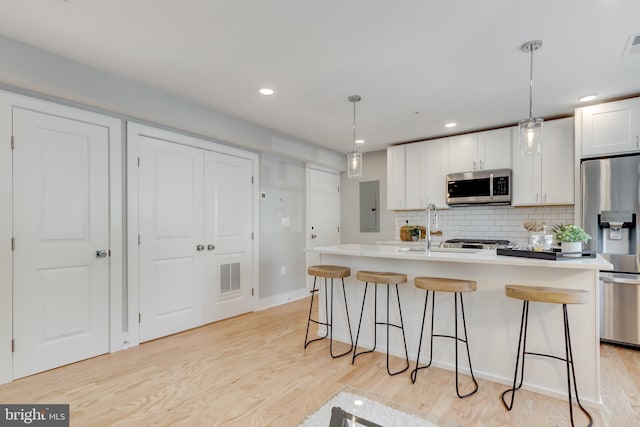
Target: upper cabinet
[
  {"x": 610, "y": 128},
  {"x": 546, "y": 177},
  {"x": 416, "y": 174},
  {"x": 481, "y": 150},
  {"x": 396, "y": 187}
]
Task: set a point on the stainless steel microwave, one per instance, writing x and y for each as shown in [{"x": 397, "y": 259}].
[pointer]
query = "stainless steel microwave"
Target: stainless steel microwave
[{"x": 489, "y": 187}]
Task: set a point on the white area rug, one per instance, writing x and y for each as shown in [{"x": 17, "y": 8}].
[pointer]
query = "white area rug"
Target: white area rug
[{"x": 370, "y": 410}]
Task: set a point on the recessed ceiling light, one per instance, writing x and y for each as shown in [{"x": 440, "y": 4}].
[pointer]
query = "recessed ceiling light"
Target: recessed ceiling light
[
  {"x": 358, "y": 402},
  {"x": 587, "y": 98},
  {"x": 451, "y": 125},
  {"x": 266, "y": 91},
  {"x": 359, "y": 141}
]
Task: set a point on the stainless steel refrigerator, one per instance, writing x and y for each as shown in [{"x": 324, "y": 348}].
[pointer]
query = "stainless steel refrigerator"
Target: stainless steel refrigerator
[{"x": 610, "y": 209}]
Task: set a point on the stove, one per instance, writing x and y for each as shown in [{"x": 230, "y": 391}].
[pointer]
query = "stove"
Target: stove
[{"x": 476, "y": 243}]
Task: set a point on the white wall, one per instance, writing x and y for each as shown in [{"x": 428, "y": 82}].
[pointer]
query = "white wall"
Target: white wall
[
  {"x": 283, "y": 183},
  {"x": 37, "y": 72},
  {"x": 34, "y": 72},
  {"x": 374, "y": 168}
]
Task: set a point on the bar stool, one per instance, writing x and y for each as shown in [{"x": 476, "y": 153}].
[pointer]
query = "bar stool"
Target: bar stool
[
  {"x": 457, "y": 286},
  {"x": 328, "y": 272},
  {"x": 388, "y": 279},
  {"x": 553, "y": 296}
]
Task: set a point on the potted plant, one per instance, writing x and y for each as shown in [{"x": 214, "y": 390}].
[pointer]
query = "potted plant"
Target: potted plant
[
  {"x": 571, "y": 238},
  {"x": 414, "y": 232}
]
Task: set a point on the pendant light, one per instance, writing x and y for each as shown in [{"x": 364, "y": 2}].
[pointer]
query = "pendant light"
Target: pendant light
[
  {"x": 354, "y": 158},
  {"x": 531, "y": 128}
]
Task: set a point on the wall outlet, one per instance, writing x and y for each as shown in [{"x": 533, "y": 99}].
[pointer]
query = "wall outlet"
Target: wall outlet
[
  {"x": 285, "y": 222},
  {"x": 283, "y": 270}
]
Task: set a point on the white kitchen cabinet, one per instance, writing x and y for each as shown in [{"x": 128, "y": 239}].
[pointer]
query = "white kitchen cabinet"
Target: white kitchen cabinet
[
  {"x": 610, "y": 128},
  {"x": 546, "y": 177},
  {"x": 416, "y": 175},
  {"x": 437, "y": 167},
  {"x": 481, "y": 150},
  {"x": 396, "y": 177}
]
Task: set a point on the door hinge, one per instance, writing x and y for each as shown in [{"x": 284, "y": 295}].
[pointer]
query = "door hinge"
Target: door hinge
[
  {"x": 338, "y": 229},
  {"x": 139, "y": 317},
  {"x": 13, "y": 345},
  {"x": 252, "y": 235},
  {"x": 13, "y": 243},
  {"x": 13, "y": 142},
  {"x": 138, "y": 161},
  {"x": 338, "y": 188},
  {"x": 138, "y": 240},
  {"x": 251, "y": 291},
  {"x": 109, "y": 252},
  {"x": 252, "y": 180}
]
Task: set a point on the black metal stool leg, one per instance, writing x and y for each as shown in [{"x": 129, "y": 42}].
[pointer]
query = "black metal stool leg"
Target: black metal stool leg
[
  {"x": 331, "y": 324},
  {"x": 310, "y": 320},
  {"x": 569, "y": 363},
  {"x": 522, "y": 343},
  {"x": 414, "y": 373},
  {"x": 466, "y": 341},
  {"x": 364, "y": 299},
  {"x": 388, "y": 323}
]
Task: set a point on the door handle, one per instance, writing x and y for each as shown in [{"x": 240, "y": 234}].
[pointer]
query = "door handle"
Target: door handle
[
  {"x": 210, "y": 247},
  {"x": 200, "y": 248},
  {"x": 313, "y": 236},
  {"x": 102, "y": 253}
]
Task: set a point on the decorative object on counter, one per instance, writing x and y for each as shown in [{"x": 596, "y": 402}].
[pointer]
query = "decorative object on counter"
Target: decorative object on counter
[
  {"x": 555, "y": 254},
  {"x": 407, "y": 232},
  {"x": 571, "y": 238},
  {"x": 354, "y": 158},
  {"x": 531, "y": 128},
  {"x": 533, "y": 225},
  {"x": 542, "y": 241}
]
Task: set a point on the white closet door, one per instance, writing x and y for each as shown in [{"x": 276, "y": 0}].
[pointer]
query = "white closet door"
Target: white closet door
[
  {"x": 61, "y": 213},
  {"x": 171, "y": 226},
  {"x": 229, "y": 219}
]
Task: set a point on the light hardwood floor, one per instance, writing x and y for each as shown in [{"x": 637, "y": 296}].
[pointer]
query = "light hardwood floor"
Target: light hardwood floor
[{"x": 253, "y": 371}]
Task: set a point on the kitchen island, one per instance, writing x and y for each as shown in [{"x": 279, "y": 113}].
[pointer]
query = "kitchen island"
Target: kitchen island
[{"x": 493, "y": 320}]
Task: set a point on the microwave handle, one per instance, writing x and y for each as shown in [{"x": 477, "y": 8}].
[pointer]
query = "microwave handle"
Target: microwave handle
[{"x": 491, "y": 186}]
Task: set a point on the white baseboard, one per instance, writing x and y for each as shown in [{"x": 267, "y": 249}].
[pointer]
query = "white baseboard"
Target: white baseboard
[{"x": 280, "y": 299}]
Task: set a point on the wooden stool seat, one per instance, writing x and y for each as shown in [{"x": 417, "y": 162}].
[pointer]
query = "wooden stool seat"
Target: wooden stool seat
[
  {"x": 547, "y": 294},
  {"x": 382, "y": 277},
  {"x": 439, "y": 284},
  {"x": 331, "y": 271}
]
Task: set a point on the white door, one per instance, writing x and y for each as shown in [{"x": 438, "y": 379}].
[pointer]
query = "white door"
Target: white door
[
  {"x": 171, "y": 227},
  {"x": 228, "y": 231},
  {"x": 61, "y": 214},
  {"x": 323, "y": 212}
]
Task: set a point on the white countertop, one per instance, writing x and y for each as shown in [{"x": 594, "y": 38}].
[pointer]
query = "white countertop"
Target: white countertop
[{"x": 468, "y": 256}]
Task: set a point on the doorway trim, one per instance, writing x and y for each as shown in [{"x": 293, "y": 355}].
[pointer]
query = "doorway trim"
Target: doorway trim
[
  {"x": 133, "y": 129},
  {"x": 8, "y": 101}
]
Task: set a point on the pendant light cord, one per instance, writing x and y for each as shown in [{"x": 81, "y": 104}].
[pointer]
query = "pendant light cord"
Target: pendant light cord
[
  {"x": 354, "y": 127},
  {"x": 531, "y": 84}
]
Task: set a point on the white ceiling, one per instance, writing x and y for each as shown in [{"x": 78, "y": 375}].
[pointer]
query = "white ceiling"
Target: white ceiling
[{"x": 416, "y": 63}]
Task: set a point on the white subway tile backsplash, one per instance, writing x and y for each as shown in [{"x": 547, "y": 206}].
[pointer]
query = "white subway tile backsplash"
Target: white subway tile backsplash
[{"x": 484, "y": 222}]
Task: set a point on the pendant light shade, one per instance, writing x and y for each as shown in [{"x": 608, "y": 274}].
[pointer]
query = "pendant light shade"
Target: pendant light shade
[
  {"x": 354, "y": 158},
  {"x": 531, "y": 128}
]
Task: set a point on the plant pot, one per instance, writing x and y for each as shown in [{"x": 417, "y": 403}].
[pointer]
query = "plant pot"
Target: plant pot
[{"x": 572, "y": 247}]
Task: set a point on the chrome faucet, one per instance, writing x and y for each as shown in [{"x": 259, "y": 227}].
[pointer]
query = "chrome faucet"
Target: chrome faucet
[{"x": 431, "y": 208}]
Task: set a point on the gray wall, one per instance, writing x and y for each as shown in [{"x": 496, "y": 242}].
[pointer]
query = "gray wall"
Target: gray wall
[
  {"x": 374, "y": 167},
  {"x": 283, "y": 183},
  {"x": 34, "y": 72}
]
